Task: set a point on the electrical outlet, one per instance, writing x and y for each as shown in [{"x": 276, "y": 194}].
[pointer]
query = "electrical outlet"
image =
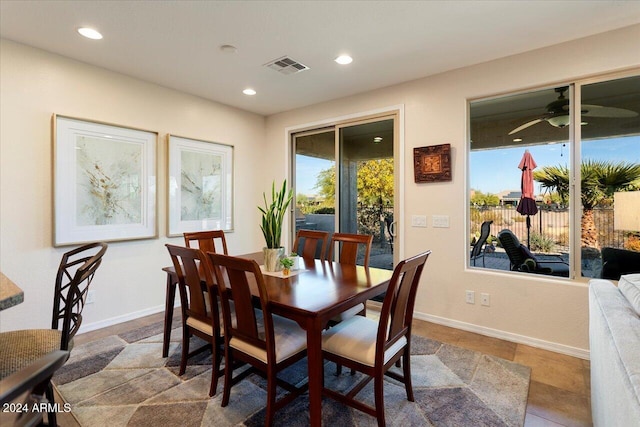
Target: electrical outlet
[
  {"x": 418, "y": 220},
  {"x": 485, "y": 299},
  {"x": 91, "y": 296},
  {"x": 470, "y": 297}
]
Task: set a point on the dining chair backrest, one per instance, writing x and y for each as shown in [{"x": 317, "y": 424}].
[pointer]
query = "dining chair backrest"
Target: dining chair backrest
[
  {"x": 206, "y": 241},
  {"x": 238, "y": 273},
  {"x": 397, "y": 308},
  {"x": 348, "y": 247},
  {"x": 313, "y": 243},
  {"x": 198, "y": 302},
  {"x": 75, "y": 274}
]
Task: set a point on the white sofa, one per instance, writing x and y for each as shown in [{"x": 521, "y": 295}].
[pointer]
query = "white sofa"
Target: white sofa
[{"x": 614, "y": 336}]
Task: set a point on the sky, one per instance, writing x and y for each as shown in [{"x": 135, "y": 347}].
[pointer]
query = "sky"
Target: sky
[
  {"x": 307, "y": 170},
  {"x": 494, "y": 171}
]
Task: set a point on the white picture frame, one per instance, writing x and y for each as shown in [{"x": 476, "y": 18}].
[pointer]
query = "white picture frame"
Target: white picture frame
[
  {"x": 105, "y": 179},
  {"x": 200, "y": 185}
]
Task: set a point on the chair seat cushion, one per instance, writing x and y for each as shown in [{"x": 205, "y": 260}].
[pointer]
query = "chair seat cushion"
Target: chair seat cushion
[
  {"x": 206, "y": 327},
  {"x": 290, "y": 339},
  {"x": 355, "y": 339},
  {"x": 348, "y": 314},
  {"x": 18, "y": 349}
]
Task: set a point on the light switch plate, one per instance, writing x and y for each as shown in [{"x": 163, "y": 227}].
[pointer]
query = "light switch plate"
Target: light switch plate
[
  {"x": 440, "y": 221},
  {"x": 418, "y": 220}
]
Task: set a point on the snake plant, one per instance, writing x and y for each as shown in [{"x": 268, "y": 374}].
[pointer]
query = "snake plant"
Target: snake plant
[{"x": 273, "y": 214}]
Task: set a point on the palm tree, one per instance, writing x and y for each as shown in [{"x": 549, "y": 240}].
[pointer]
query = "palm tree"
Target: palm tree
[{"x": 599, "y": 180}]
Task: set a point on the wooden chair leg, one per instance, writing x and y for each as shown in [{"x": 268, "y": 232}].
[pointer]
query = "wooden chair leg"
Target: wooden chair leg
[
  {"x": 185, "y": 349},
  {"x": 228, "y": 371},
  {"x": 406, "y": 369},
  {"x": 51, "y": 415},
  {"x": 378, "y": 385},
  {"x": 215, "y": 367},
  {"x": 271, "y": 398}
]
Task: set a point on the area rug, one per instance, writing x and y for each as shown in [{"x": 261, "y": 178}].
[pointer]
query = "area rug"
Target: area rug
[{"x": 122, "y": 380}]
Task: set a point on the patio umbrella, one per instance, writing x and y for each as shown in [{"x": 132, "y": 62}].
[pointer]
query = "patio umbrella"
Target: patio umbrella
[{"x": 527, "y": 205}]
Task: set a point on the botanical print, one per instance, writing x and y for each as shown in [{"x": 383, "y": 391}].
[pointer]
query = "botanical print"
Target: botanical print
[
  {"x": 108, "y": 177},
  {"x": 201, "y": 191}
]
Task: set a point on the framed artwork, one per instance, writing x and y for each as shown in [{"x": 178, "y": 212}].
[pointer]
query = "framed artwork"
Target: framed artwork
[
  {"x": 432, "y": 163},
  {"x": 104, "y": 182},
  {"x": 200, "y": 186}
]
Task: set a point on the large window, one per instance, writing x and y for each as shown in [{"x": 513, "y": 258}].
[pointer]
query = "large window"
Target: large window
[{"x": 551, "y": 195}]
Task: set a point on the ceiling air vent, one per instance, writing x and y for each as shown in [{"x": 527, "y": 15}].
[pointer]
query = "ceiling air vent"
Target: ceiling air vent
[{"x": 286, "y": 65}]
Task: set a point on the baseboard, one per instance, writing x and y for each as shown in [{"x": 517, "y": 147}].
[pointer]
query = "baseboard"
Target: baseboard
[
  {"x": 508, "y": 336},
  {"x": 88, "y": 327},
  {"x": 469, "y": 327}
]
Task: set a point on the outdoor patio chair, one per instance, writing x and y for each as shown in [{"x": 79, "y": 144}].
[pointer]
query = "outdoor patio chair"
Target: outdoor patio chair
[
  {"x": 523, "y": 260},
  {"x": 616, "y": 262},
  {"x": 478, "y": 250}
]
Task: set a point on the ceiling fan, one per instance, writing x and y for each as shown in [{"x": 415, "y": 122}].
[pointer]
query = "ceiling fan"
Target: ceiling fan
[{"x": 557, "y": 114}]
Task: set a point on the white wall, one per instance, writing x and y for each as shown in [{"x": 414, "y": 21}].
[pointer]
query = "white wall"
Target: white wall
[
  {"x": 34, "y": 85},
  {"x": 537, "y": 310}
]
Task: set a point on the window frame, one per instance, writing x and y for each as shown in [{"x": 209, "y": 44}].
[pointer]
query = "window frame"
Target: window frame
[{"x": 575, "y": 157}]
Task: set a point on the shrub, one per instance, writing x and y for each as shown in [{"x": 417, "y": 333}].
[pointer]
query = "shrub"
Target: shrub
[
  {"x": 325, "y": 211},
  {"x": 633, "y": 243},
  {"x": 541, "y": 243}
]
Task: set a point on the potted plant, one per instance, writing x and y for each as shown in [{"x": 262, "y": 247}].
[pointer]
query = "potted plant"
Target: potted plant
[
  {"x": 286, "y": 263},
  {"x": 273, "y": 214}
]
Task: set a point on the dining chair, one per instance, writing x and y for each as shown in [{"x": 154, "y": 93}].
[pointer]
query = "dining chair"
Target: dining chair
[
  {"x": 26, "y": 389},
  {"x": 348, "y": 246},
  {"x": 373, "y": 347},
  {"x": 206, "y": 240},
  {"x": 75, "y": 273},
  {"x": 199, "y": 304},
  {"x": 267, "y": 342},
  {"x": 313, "y": 243}
]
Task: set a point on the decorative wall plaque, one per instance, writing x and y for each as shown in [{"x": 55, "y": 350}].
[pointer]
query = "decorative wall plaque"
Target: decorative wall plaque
[{"x": 432, "y": 163}]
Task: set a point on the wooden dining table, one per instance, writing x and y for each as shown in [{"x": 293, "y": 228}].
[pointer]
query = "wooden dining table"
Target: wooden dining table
[{"x": 311, "y": 296}]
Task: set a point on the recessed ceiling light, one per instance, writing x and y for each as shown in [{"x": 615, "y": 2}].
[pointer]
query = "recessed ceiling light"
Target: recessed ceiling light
[
  {"x": 517, "y": 139},
  {"x": 249, "y": 91},
  {"x": 377, "y": 139},
  {"x": 344, "y": 59},
  {"x": 90, "y": 33}
]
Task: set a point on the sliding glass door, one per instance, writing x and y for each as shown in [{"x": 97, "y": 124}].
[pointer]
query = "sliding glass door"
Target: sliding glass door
[{"x": 344, "y": 179}]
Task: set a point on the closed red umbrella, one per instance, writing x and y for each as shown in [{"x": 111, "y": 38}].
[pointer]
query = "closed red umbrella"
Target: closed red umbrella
[{"x": 527, "y": 205}]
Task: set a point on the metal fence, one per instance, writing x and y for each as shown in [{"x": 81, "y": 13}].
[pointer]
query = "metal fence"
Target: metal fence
[{"x": 549, "y": 222}]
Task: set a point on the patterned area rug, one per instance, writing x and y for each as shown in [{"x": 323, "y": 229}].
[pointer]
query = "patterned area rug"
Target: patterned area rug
[{"x": 122, "y": 380}]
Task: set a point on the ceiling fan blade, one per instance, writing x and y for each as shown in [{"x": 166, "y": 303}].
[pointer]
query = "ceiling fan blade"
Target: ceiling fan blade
[
  {"x": 600, "y": 111},
  {"x": 526, "y": 125}
]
